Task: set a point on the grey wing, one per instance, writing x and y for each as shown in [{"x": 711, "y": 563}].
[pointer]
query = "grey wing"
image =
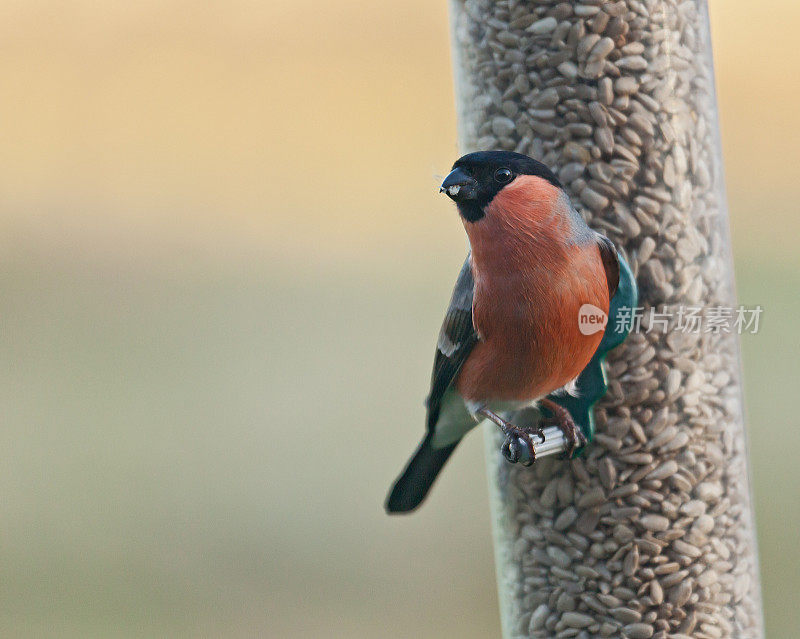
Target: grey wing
[
  {"x": 456, "y": 339},
  {"x": 608, "y": 253}
]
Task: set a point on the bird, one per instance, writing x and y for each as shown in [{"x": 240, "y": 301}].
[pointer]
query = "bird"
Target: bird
[{"x": 511, "y": 335}]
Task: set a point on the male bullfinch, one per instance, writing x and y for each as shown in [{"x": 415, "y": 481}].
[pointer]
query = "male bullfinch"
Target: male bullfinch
[{"x": 511, "y": 334}]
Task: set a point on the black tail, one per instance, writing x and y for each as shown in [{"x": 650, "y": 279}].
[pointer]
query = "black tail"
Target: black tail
[{"x": 413, "y": 485}]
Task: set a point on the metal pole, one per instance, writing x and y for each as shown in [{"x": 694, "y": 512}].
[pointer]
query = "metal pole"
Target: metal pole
[
  {"x": 650, "y": 534},
  {"x": 553, "y": 444}
]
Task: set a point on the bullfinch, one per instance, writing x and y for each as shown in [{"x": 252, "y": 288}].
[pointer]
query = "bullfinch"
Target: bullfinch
[{"x": 511, "y": 335}]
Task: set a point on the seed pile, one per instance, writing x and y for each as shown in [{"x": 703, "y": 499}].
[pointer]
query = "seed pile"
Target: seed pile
[{"x": 651, "y": 534}]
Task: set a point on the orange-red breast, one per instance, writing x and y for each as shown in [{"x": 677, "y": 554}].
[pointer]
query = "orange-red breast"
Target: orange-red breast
[{"x": 511, "y": 334}]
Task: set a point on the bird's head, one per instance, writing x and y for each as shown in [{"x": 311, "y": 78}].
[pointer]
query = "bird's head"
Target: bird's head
[{"x": 477, "y": 178}]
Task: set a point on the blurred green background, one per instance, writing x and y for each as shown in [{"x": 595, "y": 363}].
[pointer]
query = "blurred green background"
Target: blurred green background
[{"x": 224, "y": 264}]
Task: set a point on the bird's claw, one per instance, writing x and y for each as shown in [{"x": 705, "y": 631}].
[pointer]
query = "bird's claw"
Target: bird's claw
[
  {"x": 563, "y": 420},
  {"x": 518, "y": 445},
  {"x": 576, "y": 440}
]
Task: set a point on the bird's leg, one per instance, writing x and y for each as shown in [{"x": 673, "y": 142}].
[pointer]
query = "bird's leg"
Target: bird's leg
[
  {"x": 516, "y": 437},
  {"x": 561, "y": 418}
]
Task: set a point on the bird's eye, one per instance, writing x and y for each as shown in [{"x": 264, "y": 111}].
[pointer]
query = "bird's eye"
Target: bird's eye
[{"x": 503, "y": 175}]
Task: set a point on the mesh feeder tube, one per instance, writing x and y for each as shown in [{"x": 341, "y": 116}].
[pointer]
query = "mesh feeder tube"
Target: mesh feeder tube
[{"x": 650, "y": 533}]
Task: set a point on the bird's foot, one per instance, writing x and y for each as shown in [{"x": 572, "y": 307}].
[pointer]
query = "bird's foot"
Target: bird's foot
[
  {"x": 561, "y": 418},
  {"x": 518, "y": 444}
]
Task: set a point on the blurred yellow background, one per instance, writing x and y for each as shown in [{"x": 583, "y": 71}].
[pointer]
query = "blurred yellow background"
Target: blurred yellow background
[{"x": 224, "y": 264}]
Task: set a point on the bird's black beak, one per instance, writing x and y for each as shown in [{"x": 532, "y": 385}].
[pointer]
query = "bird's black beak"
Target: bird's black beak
[{"x": 460, "y": 186}]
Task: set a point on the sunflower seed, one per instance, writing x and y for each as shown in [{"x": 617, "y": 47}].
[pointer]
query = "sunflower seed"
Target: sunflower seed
[
  {"x": 545, "y": 25},
  {"x": 654, "y": 522},
  {"x": 577, "y": 619},
  {"x": 639, "y": 631}
]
